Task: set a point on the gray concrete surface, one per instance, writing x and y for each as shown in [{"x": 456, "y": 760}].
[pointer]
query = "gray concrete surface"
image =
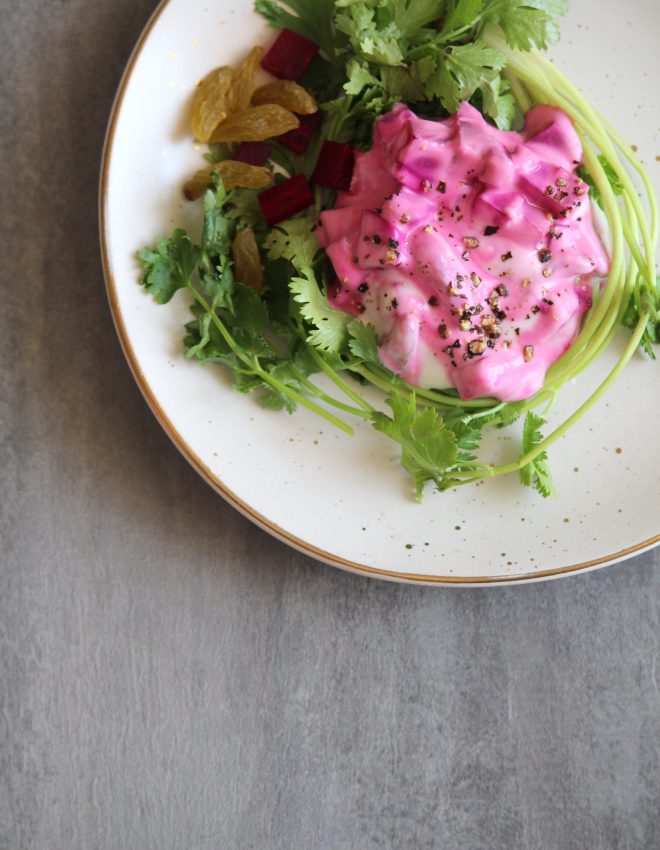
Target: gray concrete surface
[{"x": 174, "y": 679}]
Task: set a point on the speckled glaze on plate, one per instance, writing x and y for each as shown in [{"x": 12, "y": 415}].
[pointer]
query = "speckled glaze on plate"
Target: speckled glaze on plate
[{"x": 340, "y": 499}]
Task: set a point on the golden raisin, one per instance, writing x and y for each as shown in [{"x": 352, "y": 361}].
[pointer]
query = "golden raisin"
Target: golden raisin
[
  {"x": 255, "y": 124},
  {"x": 234, "y": 175},
  {"x": 210, "y": 103},
  {"x": 247, "y": 262},
  {"x": 288, "y": 94},
  {"x": 242, "y": 85}
]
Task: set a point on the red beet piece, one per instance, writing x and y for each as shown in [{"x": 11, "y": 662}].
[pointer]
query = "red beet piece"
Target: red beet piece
[
  {"x": 298, "y": 139},
  {"x": 334, "y": 170},
  {"x": 285, "y": 199},
  {"x": 253, "y": 153},
  {"x": 290, "y": 55}
]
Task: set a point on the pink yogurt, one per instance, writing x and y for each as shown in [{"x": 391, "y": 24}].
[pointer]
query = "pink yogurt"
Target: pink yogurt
[{"x": 472, "y": 251}]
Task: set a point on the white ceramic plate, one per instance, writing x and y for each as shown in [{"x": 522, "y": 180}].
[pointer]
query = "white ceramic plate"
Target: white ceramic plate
[{"x": 341, "y": 499}]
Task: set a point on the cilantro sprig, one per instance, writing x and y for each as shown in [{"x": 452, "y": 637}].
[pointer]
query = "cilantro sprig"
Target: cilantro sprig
[
  {"x": 232, "y": 325},
  {"x": 275, "y": 353},
  {"x": 417, "y": 51},
  {"x": 536, "y": 473}
]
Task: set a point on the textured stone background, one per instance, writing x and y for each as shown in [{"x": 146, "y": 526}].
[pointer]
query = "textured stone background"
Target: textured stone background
[{"x": 172, "y": 678}]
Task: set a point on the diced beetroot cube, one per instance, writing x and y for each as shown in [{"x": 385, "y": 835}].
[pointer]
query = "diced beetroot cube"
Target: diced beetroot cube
[
  {"x": 253, "y": 153},
  {"x": 290, "y": 55},
  {"x": 334, "y": 170},
  {"x": 285, "y": 199},
  {"x": 298, "y": 139}
]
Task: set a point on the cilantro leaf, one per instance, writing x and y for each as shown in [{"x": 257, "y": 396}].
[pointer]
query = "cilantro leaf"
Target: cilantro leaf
[
  {"x": 329, "y": 326},
  {"x": 554, "y": 8},
  {"x": 359, "y": 77},
  {"x": 169, "y": 265},
  {"x": 218, "y": 284},
  {"x": 287, "y": 374},
  {"x": 498, "y": 102},
  {"x": 537, "y": 472},
  {"x": 379, "y": 44},
  {"x": 205, "y": 343},
  {"x": 218, "y": 230},
  {"x": 363, "y": 342},
  {"x": 402, "y": 84},
  {"x": 411, "y": 16},
  {"x": 460, "y": 15},
  {"x": 324, "y": 78},
  {"x": 383, "y": 32},
  {"x": 645, "y": 300},
  {"x": 250, "y": 323},
  {"x": 243, "y": 205},
  {"x": 199, "y": 337},
  {"x": 424, "y": 68},
  {"x": 462, "y": 71},
  {"x": 526, "y": 23},
  {"x": 293, "y": 240},
  {"x": 510, "y": 413},
  {"x": 468, "y": 437},
  {"x": 247, "y": 383},
  {"x": 429, "y": 448},
  {"x": 353, "y": 118},
  {"x": 273, "y": 399}
]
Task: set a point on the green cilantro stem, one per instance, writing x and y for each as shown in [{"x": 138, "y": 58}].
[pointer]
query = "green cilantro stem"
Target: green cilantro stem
[
  {"x": 630, "y": 349},
  {"x": 266, "y": 377},
  {"x": 367, "y": 409},
  {"x": 316, "y": 392}
]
